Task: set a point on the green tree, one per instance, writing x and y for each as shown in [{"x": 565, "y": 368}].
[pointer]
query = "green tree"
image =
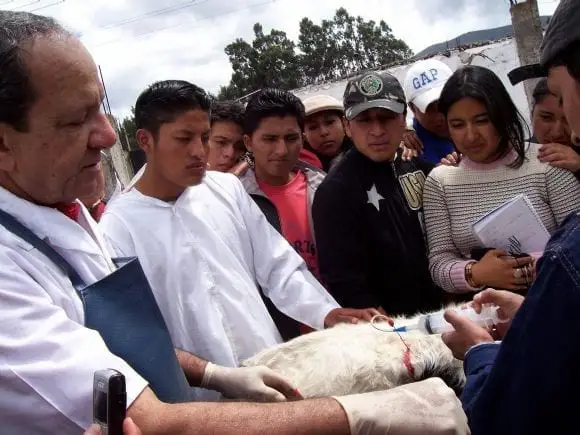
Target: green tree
[
  {"x": 269, "y": 61},
  {"x": 345, "y": 45},
  {"x": 320, "y": 57}
]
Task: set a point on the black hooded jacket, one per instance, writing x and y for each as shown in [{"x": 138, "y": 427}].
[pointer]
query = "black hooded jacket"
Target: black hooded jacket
[{"x": 369, "y": 236}]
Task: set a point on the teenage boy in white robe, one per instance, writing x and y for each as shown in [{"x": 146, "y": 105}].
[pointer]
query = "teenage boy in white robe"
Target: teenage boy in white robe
[{"x": 204, "y": 244}]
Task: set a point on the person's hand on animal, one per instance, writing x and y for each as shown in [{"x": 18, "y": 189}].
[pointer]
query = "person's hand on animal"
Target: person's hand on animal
[
  {"x": 561, "y": 156},
  {"x": 508, "y": 303},
  {"x": 411, "y": 145},
  {"x": 351, "y": 315},
  {"x": 466, "y": 334},
  {"x": 452, "y": 159},
  {"x": 129, "y": 428},
  {"x": 426, "y": 407},
  {"x": 259, "y": 384},
  {"x": 498, "y": 270}
]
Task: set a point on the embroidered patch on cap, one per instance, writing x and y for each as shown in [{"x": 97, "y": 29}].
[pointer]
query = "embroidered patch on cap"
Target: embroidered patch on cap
[{"x": 370, "y": 85}]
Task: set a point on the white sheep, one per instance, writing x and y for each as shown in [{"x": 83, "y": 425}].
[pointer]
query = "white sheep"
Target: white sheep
[{"x": 350, "y": 359}]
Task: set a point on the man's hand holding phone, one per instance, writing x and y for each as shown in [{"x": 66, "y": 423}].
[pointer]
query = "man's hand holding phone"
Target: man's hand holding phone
[{"x": 129, "y": 428}]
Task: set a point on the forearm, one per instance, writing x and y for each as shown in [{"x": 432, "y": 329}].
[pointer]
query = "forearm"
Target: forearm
[
  {"x": 456, "y": 269},
  {"x": 448, "y": 272},
  {"x": 304, "y": 299},
  {"x": 192, "y": 366},
  {"x": 315, "y": 417}
]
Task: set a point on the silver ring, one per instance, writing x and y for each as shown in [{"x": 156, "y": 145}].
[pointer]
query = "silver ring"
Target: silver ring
[{"x": 517, "y": 273}]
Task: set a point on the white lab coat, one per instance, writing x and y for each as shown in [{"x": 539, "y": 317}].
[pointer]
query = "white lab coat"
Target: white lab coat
[
  {"x": 203, "y": 256},
  {"x": 47, "y": 357}
]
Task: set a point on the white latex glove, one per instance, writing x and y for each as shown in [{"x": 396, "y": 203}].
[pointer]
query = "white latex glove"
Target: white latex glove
[
  {"x": 427, "y": 407},
  {"x": 259, "y": 384}
]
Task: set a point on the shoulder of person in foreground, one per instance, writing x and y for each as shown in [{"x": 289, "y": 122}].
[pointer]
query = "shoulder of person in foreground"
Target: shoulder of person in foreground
[
  {"x": 417, "y": 163},
  {"x": 49, "y": 380},
  {"x": 224, "y": 182},
  {"x": 341, "y": 179},
  {"x": 532, "y": 164},
  {"x": 562, "y": 186},
  {"x": 442, "y": 172},
  {"x": 314, "y": 176},
  {"x": 335, "y": 192},
  {"x": 532, "y": 362},
  {"x": 115, "y": 223}
]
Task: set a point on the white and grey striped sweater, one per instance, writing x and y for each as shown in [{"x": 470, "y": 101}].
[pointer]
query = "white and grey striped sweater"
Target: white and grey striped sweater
[{"x": 455, "y": 197}]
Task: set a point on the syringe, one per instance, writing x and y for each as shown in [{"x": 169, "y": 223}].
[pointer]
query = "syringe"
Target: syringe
[{"x": 435, "y": 323}]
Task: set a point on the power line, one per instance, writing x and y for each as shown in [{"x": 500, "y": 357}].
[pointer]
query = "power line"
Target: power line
[
  {"x": 47, "y": 6},
  {"x": 153, "y": 13},
  {"x": 162, "y": 29},
  {"x": 25, "y": 5}
]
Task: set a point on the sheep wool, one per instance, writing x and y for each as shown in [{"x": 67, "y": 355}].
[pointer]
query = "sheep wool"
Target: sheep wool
[{"x": 351, "y": 359}]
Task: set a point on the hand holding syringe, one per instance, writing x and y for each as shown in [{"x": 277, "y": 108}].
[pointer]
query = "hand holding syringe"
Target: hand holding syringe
[{"x": 435, "y": 323}]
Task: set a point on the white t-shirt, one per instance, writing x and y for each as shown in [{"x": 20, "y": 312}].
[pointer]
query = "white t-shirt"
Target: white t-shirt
[{"x": 47, "y": 356}]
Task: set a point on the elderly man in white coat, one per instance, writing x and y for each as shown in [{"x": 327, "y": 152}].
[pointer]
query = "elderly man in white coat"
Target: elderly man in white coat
[
  {"x": 204, "y": 244},
  {"x": 68, "y": 310}
]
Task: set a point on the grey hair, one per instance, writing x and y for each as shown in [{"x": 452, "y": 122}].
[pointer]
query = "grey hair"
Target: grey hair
[{"x": 16, "y": 91}]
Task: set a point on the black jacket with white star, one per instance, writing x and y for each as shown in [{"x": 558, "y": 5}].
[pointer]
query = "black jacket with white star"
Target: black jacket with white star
[{"x": 369, "y": 236}]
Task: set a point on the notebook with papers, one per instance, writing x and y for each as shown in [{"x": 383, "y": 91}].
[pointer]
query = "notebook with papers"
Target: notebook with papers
[{"x": 514, "y": 227}]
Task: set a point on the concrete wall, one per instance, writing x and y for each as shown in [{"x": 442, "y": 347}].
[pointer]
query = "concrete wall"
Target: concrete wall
[{"x": 528, "y": 36}]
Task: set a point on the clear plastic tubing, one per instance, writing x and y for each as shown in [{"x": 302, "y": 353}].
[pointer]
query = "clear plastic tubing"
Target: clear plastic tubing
[{"x": 434, "y": 323}]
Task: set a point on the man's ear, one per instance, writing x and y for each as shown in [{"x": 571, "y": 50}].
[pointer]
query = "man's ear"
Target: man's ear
[
  {"x": 145, "y": 140},
  {"x": 7, "y": 160},
  {"x": 346, "y": 124},
  {"x": 248, "y": 142}
]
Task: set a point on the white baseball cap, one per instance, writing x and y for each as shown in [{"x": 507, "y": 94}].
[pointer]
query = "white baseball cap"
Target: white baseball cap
[
  {"x": 424, "y": 82},
  {"x": 322, "y": 103}
]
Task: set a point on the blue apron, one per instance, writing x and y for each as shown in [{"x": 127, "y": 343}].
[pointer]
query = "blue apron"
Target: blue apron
[{"x": 122, "y": 308}]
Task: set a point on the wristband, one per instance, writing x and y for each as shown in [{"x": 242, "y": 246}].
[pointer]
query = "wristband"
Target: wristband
[
  {"x": 207, "y": 375},
  {"x": 469, "y": 275}
]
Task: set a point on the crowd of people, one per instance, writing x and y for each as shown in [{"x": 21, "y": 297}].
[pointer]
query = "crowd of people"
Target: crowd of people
[{"x": 251, "y": 225}]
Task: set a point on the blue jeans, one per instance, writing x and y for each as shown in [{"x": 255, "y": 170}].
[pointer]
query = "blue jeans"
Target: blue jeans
[{"x": 530, "y": 384}]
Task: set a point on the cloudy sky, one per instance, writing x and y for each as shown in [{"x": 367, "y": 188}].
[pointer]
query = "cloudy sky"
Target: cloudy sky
[{"x": 137, "y": 42}]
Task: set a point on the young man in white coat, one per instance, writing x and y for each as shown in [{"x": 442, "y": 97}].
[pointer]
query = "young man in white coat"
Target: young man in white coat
[
  {"x": 51, "y": 136},
  {"x": 203, "y": 243}
]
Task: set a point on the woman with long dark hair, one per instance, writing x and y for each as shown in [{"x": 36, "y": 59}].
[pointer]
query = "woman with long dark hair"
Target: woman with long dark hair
[{"x": 497, "y": 165}]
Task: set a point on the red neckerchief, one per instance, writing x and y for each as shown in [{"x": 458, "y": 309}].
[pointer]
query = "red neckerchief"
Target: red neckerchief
[
  {"x": 98, "y": 210},
  {"x": 71, "y": 210}
]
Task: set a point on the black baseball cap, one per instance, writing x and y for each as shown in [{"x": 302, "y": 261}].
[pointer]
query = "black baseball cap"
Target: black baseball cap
[
  {"x": 563, "y": 30},
  {"x": 370, "y": 90}
]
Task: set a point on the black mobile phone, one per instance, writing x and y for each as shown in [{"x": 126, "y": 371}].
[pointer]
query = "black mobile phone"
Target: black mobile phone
[{"x": 109, "y": 401}]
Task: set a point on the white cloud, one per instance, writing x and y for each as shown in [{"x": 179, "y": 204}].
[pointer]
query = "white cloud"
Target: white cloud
[{"x": 187, "y": 40}]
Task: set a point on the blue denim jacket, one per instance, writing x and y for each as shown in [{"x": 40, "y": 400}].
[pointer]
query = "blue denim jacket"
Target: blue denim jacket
[{"x": 530, "y": 384}]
